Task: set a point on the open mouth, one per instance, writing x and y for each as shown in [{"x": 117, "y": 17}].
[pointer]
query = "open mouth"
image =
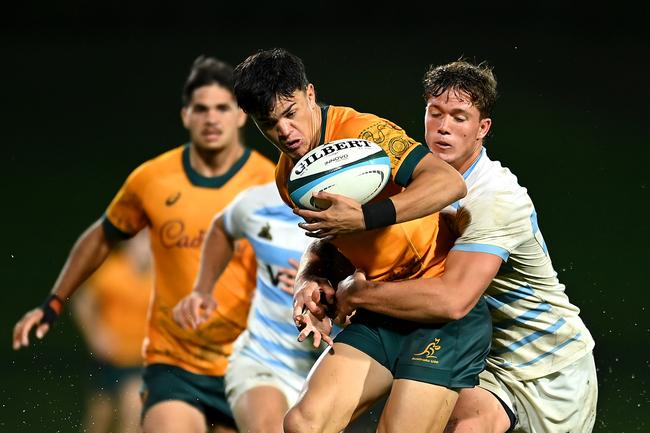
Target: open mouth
[
  {"x": 442, "y": 145},
  {"x": 292, "y": 144}
]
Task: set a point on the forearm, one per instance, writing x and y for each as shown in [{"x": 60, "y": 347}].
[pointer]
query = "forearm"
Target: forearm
[
  {"x": 434, "y": 185},
  {"x": 87, "y": 254},
  {"x": 447, "y": 297},
  {"x": 322, "y": 259},
  {"x": 424, "y": 300},
  {"x": 319, "y": 271},
  {"x": 217, "y": 251},
  {"x": 311, "y": 263}
]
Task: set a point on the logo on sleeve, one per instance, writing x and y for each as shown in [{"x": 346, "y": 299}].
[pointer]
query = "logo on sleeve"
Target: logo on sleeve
[
  {"x": 265, "y": 232},
  {"x": 172, "y": 199},
  {"x": 429, "y": 353},
  {"x": 390, "y": 137}
]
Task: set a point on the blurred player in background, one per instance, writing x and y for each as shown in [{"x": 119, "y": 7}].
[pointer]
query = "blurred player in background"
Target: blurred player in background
[
  {"x": 420, "y": 365},
  {"x": 176, "y": 195},
  {"x": 111, "y": 312},
  {"x": 269, "y": 366},
  {"x": 540, "y": 375}
]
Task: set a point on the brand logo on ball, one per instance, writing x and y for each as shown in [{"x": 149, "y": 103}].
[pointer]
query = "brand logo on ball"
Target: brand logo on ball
[
  {"x": 352, "y": 167},
  {"x": 328, "y": 149},
  {"x": 336, "y": 159}
]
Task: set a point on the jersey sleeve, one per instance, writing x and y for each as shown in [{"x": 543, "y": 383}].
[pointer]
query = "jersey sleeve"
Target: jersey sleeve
[
  {"x": 494, "y": 223},
  {"x": 235, "y": 215},
  {"x": 125, "y": 215},
  {"x": 404, "y": 152}
]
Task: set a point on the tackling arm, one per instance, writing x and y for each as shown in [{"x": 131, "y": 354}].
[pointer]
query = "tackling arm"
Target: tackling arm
[{"x": 448, "y": 297}]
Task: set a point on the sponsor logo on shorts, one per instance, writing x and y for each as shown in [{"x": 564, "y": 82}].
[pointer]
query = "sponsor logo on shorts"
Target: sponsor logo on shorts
[{"x": 429, "y": 353}]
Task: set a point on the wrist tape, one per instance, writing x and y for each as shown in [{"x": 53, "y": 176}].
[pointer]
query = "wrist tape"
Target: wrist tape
[
  {"x": 380, "y": 214},
  {"x": 52, "y": 308}
]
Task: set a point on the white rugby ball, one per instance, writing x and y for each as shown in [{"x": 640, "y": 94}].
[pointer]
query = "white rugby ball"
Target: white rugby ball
[{"x": 353, "y": 167}]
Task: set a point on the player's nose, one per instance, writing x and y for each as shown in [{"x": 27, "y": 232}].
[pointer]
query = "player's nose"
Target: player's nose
[
  {"x": 283, "y": 128},
  {"x": 212, "y": 116},
  {"x": 443, "y": 126}
]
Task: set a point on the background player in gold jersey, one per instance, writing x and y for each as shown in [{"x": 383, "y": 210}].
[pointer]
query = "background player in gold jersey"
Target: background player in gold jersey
[
  {"x": 421, "y": 365},
  {"x": 111, "y": 312},
  {"x": 176, "y": 195}
]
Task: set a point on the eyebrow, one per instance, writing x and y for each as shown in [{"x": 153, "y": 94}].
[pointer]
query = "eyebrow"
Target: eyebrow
[
  {"x": 267, "y": 119},
  {"x": 454, "y": 111},
  {"x": 289, "y": 108}
]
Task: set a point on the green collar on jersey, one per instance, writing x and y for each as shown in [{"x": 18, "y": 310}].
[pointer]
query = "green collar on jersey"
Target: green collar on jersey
[
  {"x": 198, "y": 179},
  {"x": 323, "y": 123}
]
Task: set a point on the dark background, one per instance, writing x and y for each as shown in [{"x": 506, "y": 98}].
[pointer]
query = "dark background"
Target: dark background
[{"x": 89, "y": 92}]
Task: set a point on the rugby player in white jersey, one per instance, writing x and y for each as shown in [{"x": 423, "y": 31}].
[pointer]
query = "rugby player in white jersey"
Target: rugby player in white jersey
[
  {"x": 268, "y": 367},
  {"x": 540, "y": 375}
]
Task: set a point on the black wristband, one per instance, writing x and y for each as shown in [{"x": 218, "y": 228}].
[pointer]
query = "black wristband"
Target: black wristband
[
  {"x": 52, "y": 307},
  {"x": 380, "y": 214}
]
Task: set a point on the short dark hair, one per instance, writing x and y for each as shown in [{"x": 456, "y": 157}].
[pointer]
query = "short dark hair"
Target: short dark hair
[
  {"x": 478, "y": 81},
  {"x": 204, "y": 72},
  {"x": 265, "y": 76}
]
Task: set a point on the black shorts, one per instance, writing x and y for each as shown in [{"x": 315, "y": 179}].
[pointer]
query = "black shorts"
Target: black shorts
[
  {"x": 207, "y": 393},
  {"x": 450, "y": 354}
]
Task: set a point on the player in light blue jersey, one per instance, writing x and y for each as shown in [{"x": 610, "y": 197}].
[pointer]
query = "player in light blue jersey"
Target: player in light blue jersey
[
  {"x": 540, "y": 376},
  {"x": 268, "y": 367}
]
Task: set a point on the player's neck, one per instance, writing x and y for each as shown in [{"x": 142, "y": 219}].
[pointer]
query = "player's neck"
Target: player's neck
[
  {"x": 211, "y": 163},
  {"x": 470, "y": 160}
]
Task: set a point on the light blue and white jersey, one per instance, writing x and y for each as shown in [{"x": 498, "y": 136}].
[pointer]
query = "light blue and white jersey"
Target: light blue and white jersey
[
  {"x": 259, "y": 215},
  {"x": 537, "y": 331}
]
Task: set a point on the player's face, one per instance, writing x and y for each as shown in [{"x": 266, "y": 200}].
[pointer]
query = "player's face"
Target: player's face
[
  {"x": 213, "y": 118},
  {"x": 293, "y": 126},
  {"x": 454, "y": 130}
]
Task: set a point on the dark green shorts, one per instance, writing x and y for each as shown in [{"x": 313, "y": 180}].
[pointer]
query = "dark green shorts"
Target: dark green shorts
[
  {"x": 163, "y": 382},
  {"x": 448, "y": 354}
]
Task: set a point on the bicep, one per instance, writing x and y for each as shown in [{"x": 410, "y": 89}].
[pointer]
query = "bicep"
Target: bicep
[
  {"x": 432, "y": 165},
  {"x": 471, "y": 272}
]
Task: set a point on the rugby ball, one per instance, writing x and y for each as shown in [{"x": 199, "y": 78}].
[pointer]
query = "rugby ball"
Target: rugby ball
[{"x": 352, "y": 167}]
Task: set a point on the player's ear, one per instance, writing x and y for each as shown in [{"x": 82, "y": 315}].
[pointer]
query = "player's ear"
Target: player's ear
[
  {"x": 483, "y": 128},
  {"x": 241, "y": 118},
  {"x": 310, "y": 92},
  {"x": 185, "y": 117}
]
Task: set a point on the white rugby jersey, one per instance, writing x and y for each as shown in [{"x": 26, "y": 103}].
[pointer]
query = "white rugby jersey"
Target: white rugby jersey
[
  {"x": 537, "y": 330},
  {"x": 259, "y": 215}
]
